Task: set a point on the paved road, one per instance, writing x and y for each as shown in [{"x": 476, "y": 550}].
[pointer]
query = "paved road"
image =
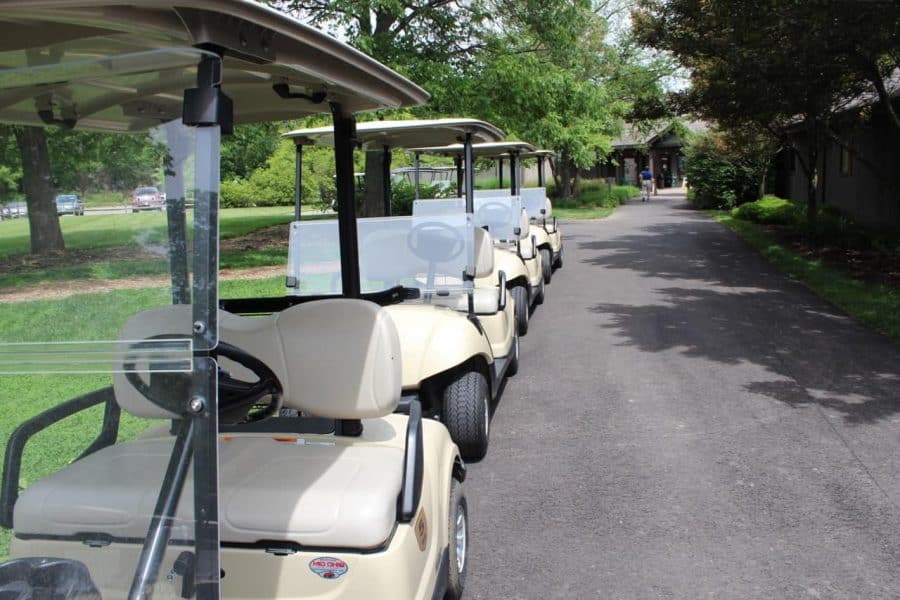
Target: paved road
[{"x": 688, "y": 423}]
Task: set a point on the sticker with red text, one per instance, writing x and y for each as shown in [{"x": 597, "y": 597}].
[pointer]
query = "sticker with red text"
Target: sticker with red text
[{"x": 328, "y": 567}]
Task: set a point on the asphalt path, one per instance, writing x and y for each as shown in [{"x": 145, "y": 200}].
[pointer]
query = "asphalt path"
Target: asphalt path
[{"x": 688, "y": 423}]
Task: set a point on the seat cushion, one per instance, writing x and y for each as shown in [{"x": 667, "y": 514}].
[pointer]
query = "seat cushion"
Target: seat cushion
[{"x": 330, "y": 494}]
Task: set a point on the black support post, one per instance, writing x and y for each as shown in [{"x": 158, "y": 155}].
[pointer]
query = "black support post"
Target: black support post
[
  {"x": 386, "y": 179},
  {"x": 500, "y": 172},
  {"x": 460, "y": 191},
  {"x": 298, "y": 180},
  {"x": 416, "y": 175},
  {"x": 469, "y": 174},
  {"x": 514, "y": 184},
  {"x": 344, "y": 143},
  {"x": 540, "y": 166}
]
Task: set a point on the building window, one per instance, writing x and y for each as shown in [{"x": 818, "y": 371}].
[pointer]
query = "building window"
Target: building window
[{"x": 846, "y": 162}]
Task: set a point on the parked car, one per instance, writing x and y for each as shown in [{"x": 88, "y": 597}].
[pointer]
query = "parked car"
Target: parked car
[
  {"x": 147, "y": 198},
  {"x": 15, "y": 209},
  {"x": 69, "y": 204}
]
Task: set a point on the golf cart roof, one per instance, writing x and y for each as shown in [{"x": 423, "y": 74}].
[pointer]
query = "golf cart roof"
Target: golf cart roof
[
  {"x": 403, "y": 134},
  {"x": 538, "y": 154},
  {"x": 264, "y": 51},
  {"x": 487, "y": 150}
]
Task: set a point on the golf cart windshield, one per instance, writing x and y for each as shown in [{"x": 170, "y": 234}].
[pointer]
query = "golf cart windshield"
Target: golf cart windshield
[
  {"x": 534, "y": 200},
  {"x": 112, "y": 323},
  {"x": 500, "y": 214},
  {"x": 430, "y": 254}
]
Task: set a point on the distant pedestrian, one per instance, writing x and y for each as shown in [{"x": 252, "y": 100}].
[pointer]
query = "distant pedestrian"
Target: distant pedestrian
[{"x": 646, "y": 183}]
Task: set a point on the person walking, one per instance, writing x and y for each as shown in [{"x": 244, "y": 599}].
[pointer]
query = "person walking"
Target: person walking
[{"x": 646, "y": 183}]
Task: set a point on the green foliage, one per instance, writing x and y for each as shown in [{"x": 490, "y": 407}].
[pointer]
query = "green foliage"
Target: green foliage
[
  {"x": 720, "y": 174},
  {"x": 595, "y": 193},
  {"x": 769, "y": 210},
  {"x": 247, "y": 149},
  {"x": 273, "y": 184}
]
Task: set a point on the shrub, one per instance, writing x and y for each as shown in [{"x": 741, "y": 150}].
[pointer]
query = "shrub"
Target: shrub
[
  {"x": 722, "y": 174},
  {"x": 770, "y": 210}
]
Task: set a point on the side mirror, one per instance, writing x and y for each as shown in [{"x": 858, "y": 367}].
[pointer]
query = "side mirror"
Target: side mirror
[{"x": 501, "y": 301}]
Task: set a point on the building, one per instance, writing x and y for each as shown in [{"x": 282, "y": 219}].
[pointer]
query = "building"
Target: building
[
  {"x": 660, "y": 148},
  {"x": 858, "y": 175}
]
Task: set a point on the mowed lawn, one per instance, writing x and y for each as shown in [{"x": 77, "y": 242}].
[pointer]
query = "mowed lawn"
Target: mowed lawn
[{"x": 92, "y": 238}]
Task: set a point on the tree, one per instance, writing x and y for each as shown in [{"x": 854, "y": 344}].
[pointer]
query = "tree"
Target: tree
[
  {"x": 776, "y": 64},
  {"x": 43, "y": 222}
]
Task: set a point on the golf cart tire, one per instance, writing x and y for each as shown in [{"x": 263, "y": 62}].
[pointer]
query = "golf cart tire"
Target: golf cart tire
[
  {"x": 520, "y": 299},
  {"x": 466, "y": 414},
  {"x": 539, "y": 295},
  {"x": 456, "y": 578},
  {"x": 513, "y": 366},
  {"x": 559, "y": 259},
  {"x": 547, "y": 264}
]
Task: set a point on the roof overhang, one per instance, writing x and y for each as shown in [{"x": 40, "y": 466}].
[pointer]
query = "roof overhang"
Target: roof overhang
[
  {"x": 262, "y": 48},
  {"x": 403, "y": 134}
]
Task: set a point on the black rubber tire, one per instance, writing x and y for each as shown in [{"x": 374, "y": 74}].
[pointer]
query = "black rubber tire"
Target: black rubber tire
[
  {"x": 559, "y": 258},
  {"x": 456, "y": 577},
  {"x": 547, "y": 264},
  {"x": 513, "y": 366},
  {"x": 466, "y": 414},
  {"x": 520, "y": 298},
  {"x": 539, "y": 295}
]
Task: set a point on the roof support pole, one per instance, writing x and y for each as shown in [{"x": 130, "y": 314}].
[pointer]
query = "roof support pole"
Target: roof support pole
[
  {"x": 460, "y": 192},
  {"x": 298, "y": 180},
  {"x": 469, "y": 174},
  {"x": 386, "y": 179},
  {"x": 500, "y": 172},
  {"x": 344, "y": 143},
  {"x": 514, "y": 183},
  {"x": 416, "y": 176},
  {"x": 540, "y": 167}
]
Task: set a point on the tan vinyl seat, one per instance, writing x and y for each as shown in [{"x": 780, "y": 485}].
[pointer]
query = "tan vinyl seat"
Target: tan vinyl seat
[{"x": 340, "y": 494}]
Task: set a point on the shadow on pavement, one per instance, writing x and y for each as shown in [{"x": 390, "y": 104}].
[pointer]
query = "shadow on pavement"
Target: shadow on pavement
[{"x": 720, "y": 301}]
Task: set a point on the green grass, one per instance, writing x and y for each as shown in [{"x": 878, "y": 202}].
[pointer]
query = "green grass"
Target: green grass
[
  {"x": 877, "y": 306},
  {"x": 106, "y": 199},
  {"x": 596, "y": 200}
]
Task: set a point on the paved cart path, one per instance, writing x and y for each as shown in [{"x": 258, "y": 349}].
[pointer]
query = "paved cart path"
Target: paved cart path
[{"x": 688, "y": 423}]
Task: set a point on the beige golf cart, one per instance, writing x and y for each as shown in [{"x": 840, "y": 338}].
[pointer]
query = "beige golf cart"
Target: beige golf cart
[
  {"x": 544, "y": 225},
  {"x": 499, "y": 211},
  {"x": 458, "y": 339},
  {"x": 168, "y": 448}
]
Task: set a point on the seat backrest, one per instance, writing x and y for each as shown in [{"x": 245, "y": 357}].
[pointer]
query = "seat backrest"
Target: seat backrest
[
  {"x": 336, "y": 358},
  {"x": 484, "y": 253}
]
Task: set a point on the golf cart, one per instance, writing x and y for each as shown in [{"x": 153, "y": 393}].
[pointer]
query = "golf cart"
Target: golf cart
[
  {"x": 544, "y": 225},
  {"x": 458, "y": 339},
  {"x": 501, "y": 213},
  {"x": 222, "y": 455}
]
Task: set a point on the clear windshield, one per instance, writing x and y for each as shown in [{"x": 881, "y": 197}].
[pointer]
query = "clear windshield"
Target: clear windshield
[
  {"x": 501, "y": 215},
  {"x": 429, "y": 253},
  {"x": 534, "y": 200},
  {"x": 97, "y": 340}
]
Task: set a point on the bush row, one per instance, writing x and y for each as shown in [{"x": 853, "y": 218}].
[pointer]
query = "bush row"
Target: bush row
[{"x": 596, "y": 192}]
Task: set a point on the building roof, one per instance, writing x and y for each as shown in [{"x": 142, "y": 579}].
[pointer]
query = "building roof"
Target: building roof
[{"x": 635, "y": 137}]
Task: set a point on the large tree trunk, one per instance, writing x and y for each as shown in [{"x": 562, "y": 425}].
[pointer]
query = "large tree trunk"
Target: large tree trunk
[
  {"x": 46, "y": 235},
  {"x": 373, "y": 201},
  {"x": 567, "y": 178}
]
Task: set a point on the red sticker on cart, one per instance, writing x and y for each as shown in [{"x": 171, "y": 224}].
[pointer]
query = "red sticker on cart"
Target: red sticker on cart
[{"x": 327, "y": 567}]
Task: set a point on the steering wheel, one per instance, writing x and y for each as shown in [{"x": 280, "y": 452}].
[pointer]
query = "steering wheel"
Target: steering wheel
[
  {"x": 435, "y": 241},
  {"x": 237, "y": 398},
  {"x": 495, "y": 215}
]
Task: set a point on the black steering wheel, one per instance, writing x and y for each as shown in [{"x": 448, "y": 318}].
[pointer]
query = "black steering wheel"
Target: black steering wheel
[
  {"x": 435, "y": 242},
  {"x": 238, "y": 400}
]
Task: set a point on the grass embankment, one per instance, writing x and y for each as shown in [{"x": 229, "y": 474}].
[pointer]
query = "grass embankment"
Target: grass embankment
[
  {"x": 777, "y": 228},
  {"x": 595, "y": 200}
]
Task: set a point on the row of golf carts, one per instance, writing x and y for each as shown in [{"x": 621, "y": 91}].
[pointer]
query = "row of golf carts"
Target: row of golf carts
[{"x": 307, "y": 444}]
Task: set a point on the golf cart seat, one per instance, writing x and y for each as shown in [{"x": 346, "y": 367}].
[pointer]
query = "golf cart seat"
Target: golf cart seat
[
  {"x": 276, "y": 490},
  {"x": 486, "y": 299}
]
